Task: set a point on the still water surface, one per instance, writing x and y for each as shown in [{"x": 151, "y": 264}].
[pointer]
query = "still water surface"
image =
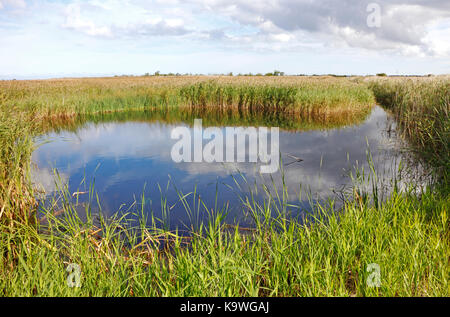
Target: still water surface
[{"x": 127, "y": 159}]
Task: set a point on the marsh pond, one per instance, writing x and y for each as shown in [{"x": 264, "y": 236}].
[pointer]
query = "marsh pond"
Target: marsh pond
[{"x": 124, "y": 164}]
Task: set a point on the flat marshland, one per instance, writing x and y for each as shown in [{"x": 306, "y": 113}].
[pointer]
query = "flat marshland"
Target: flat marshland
[{"x": 330, "y": 253}]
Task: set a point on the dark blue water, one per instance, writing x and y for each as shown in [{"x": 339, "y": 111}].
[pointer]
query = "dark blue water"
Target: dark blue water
[{"x": 125, "y": 160}]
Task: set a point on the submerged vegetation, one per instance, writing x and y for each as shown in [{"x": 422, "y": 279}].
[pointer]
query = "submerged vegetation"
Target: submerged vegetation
[{"x": 407, "y": 235}]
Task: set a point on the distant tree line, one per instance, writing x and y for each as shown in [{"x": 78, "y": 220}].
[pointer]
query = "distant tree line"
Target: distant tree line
[{"x": 274, "y": 73}]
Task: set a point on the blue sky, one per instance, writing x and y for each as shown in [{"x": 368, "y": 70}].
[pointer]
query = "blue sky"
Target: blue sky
[{"x": 49, "y": 38}]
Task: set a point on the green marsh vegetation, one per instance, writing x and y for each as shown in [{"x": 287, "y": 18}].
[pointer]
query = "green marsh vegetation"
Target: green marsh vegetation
[
  {"x": 421, "y": 108},
  {"x": 407, "y": 235}
]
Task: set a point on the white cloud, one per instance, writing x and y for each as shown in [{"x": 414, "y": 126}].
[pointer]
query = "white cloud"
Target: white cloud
[
  {"x": 282, "y": 37},
  {"x": 276, "y": 25},
  {"x": 438, "y": 38},
  {"x": 76, "y": 22},
  {"x": 12, "y": 3},
  {"x": 404, "y": 26},
  {"x": 106, "y": 24}
]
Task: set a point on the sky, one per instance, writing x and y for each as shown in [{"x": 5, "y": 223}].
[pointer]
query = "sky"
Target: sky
[{"x": 75, "y": 38}]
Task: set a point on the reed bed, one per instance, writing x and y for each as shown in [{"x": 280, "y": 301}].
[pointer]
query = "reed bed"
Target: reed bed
[
  {"x": 66, "y": 97},
  {"x": 325, "y": 102},
  {"x": 421, "y": 108},
  {"x": 329, "y": 254},
  {"x": 16, "y": 145}
]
